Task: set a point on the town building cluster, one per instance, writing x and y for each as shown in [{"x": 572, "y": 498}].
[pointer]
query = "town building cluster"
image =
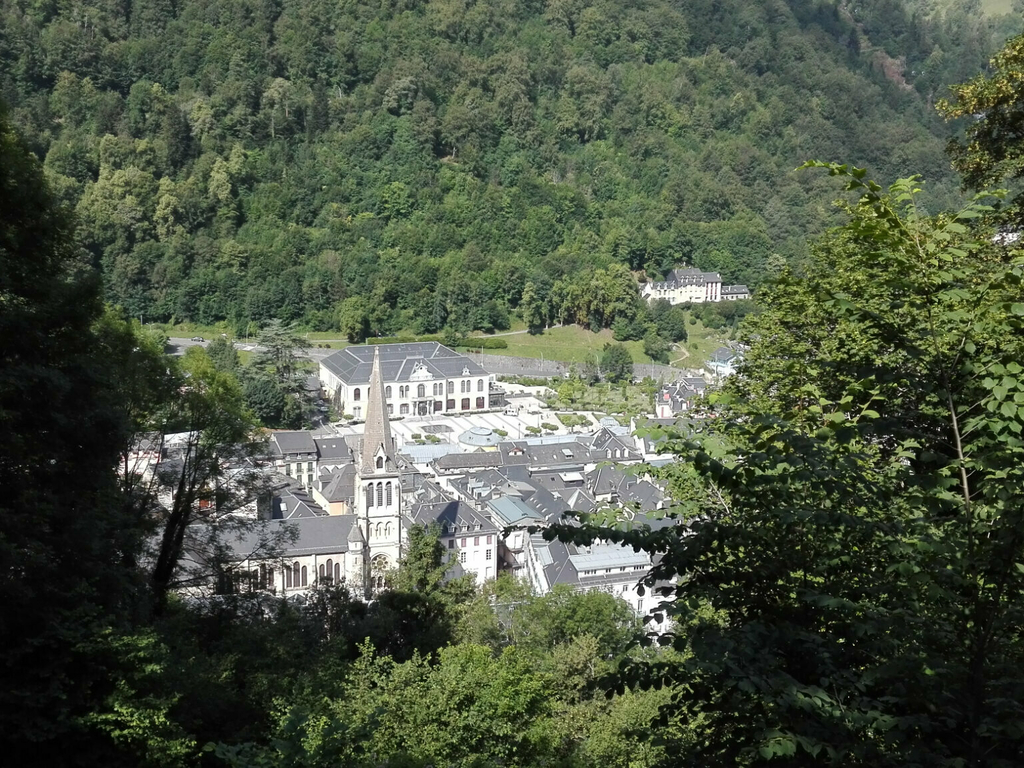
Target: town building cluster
[
  {"x": 692, "y": 286},
  {"x": 340, "y": 507}
]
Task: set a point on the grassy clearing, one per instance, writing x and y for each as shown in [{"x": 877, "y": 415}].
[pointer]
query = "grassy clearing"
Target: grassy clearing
[
  {"x": 699, "y": 345},
  {"x": 567, "y": 344},
  {"x": 573, "y": 344}
]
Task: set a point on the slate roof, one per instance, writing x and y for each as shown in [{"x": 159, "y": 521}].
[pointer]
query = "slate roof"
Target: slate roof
[
  {"x": 333, "y": 449},
  {"x": 341, "y": 484},
  {"x": 477, "y": 460},
  {"x": 690, "y": 276},
  {"x": 452, "y": 515},
  {"x": 290, "y": 443},
  {"x": 424, "y": 454},
  {"x": 722, "y": 355},
  {"x": 352, "y": 365},
  {"x": 304, "y": 536},
  {"x": 292, "y": 504}
]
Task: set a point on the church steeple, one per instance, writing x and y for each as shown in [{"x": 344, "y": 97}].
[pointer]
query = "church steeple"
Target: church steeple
[{"x": 377, "y": 441}]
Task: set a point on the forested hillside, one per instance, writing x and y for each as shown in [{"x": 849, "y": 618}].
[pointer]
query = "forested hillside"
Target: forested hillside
[{"x": 414, "y": 165}]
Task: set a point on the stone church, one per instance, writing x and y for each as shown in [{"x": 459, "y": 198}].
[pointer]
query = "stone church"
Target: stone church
[{"x": 359, "y": 541}]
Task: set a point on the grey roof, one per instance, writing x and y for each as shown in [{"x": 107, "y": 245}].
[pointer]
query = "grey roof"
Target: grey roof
[
  {"x": 513, "y": 511},
  {"x": 690, "y": 276},
  {"x": 292, "y": 504},
  {"x": 377, "y": 432},
  {"x": 341, "y": 485},
  {"x": 398, "y": 361},
  {"x": 355, "y": 535},
  {"x": 423, "y": 454},
  {"x": 304, "y": 536},
  {"x": 739, "y": 288},
  {"x": 289, "y": 443},
  {"x": 454, "y": 517},
  {"x": 333, "y": 449},
  {"x": 479, "y": 459},
  {"x": 722, "y": 355},
  {"x": 698, "y": 383}
]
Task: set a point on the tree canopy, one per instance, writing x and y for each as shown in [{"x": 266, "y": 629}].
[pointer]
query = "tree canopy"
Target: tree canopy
[
  {"x": 418, "y": 165},
  {"x": 846, "y": 579}
]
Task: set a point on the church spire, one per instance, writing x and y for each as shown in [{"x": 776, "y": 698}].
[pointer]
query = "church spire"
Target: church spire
[{"x": 377, "y": 432}]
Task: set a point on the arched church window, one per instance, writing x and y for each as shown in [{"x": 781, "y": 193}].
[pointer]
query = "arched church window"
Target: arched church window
[
  {"x": 323, "y": 573},
  {"x": 337, "y": 573},
  {"x": 421, "y": 390},
  {"x": 304, "y": 581},
  {"x": 355, "y": 394},
  {"x": 380, "y": 494},
  {"x": 380, "y": 530},
  {"x": 378, "y": 568},
  {"x": 369, "y": 495},
  {"x": 380, "y": 462},
  {"x": 387, "y": 391},
  {"x": 330, "y": 569},
  {"x": 389, "y": 501},
  {"x": 387, "y": 531},
  {"x": 295, "y": 575}
]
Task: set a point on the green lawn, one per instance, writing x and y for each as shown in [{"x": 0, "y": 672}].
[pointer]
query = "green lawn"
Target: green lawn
[
  {"x": 568, "y": 344},
  {"x": 573, "y": 344}
]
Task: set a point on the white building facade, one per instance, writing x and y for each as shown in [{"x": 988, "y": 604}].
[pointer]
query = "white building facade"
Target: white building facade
[{"x": 419, "y": 379}]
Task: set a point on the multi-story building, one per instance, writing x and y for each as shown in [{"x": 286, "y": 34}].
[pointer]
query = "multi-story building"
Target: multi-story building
[
  {"x": 691, "y": 286},
  {"x": 420, "y": 378},
  {"x": 685, "y": 286}
]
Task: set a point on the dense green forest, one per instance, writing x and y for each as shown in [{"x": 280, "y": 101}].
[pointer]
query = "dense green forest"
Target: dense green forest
[{"x": 407, "y": 165}]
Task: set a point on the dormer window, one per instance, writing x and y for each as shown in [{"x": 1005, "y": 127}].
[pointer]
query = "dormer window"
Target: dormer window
[{"x": 380, "y": 462}]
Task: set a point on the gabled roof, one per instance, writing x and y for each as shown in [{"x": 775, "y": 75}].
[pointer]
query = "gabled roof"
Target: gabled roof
[
  {"x": 292, "y": 504},
  {"x": 333, "y": 449},
  {"x": 722, "y": 355},
  {"x": 678, "y": 277},
  {"x": 288, "y": 443},
  {"x": 305, "y": 536},
  {"x": 452, "y": 515},
  {"x": 353, "y": 365},
  {"x": 341, "y": 485}
]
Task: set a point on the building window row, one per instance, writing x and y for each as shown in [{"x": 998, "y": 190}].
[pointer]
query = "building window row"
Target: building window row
[
  {"x": 330, "y": 571},
  {"x": 295, "y": 576},
  {"x": 383, "y": 492}
]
